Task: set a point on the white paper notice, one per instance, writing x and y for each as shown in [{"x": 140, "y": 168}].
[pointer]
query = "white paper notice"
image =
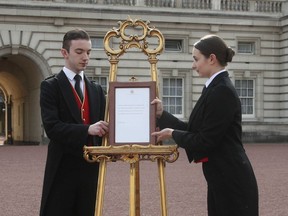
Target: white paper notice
[{"x": 132, "y": 110}]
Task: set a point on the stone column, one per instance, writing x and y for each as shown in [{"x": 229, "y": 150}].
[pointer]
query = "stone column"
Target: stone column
[
  {"x": 216, "y": 4},
  {"x": 178, "y": 3},
  {"x": 139, "y": 3}
]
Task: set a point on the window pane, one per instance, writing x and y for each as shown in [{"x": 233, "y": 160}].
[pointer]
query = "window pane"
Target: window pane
[
  {"x": 246, "y": 95},
  {"x": 172, "y": 110},
  {"x": 238, "y": 91},
  {"x": 165, "y": 82},
  {"x": 173, "y": 95},
  {"x": 237, "y": 84},
  {"x": 165, "y": 100},
  {"x": 179, "y": 91},
  {"x": 249, "y": 110},
  {"x": 246, "y": 47},
  {"x": 165, "y": 91},
  {"x": 172, "y": 101},
  {"x": 172, "y": 91},
  {"x": 172, "y": 82},
  {"x": 243, "y": 92},
  {"x": 244, "y": 84},
  {"x": 179, "y": 101},
  {"x": 250, "y": 92},
  {"x": 97, "y": 42},
  {"x": 178, "y": 109},
  {"x": 250, "y": 83},
  {"x": 173, "y": 45},
  {"x": 244, "y": 111}
]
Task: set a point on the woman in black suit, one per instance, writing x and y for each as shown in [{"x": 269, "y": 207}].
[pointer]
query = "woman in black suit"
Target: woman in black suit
[{"x": 213, "y": 134}]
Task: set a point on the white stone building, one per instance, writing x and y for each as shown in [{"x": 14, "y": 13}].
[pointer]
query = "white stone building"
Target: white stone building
[{"x": 31, "y": 32}]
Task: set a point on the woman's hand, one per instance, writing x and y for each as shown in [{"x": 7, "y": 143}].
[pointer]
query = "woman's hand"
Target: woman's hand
[
  {"x": 166, "y": 133},
  {"x": 159, "y": 107}
]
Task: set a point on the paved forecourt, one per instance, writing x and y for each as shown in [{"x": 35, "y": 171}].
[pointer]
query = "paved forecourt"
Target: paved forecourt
[{"x": 22, "y": 170}]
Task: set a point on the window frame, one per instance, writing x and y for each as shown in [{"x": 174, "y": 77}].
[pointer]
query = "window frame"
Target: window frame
[
  {"x": 177, "y": 50},
  {"x": 245, "y": 115},
  {"x": 92, "y": 38},
  {"x": 255, "y": 43},
  {"x": 251, "y": 49},
  {"x": 174, "y": 96}
]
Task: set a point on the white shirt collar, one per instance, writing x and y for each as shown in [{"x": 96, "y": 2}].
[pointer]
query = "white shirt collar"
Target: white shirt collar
[
  {"x": 212, "y": 77},
  {"x": 70, "y": 74}
]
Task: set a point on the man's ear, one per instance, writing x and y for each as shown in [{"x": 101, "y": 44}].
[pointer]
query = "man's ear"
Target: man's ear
[{"x": 64, "y": 52}]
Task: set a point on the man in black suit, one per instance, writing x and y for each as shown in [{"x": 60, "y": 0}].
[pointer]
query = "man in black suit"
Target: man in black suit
[
  {"x": 72, "y": 112},
  {"x": 213, "y": 134}
]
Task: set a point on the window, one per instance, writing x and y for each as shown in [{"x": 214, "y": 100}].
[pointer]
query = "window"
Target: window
[
  {"x": 101, "y": 80},
  {"x": 174, "y": 45},
  {"x": 246, "y": 47},
  {"x": 97, "y": 42},
  {"x": 173, "y": 96},
  {"x": 245, "y": 90}
]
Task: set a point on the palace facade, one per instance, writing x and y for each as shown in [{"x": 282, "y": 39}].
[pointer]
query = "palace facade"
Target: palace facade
[{"x": 31, "y": 33}]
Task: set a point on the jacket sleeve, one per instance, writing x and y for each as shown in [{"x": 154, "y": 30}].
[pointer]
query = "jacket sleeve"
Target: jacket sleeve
[
  {"x": 220, "y": 109},
  {"x": 167, "y": 120}
]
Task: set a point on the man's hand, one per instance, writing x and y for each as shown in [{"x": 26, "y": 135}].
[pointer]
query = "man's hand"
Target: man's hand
[{"x": 99, "y": 128}]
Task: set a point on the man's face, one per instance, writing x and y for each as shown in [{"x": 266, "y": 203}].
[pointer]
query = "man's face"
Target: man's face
[{"x": 78, "y": 56}]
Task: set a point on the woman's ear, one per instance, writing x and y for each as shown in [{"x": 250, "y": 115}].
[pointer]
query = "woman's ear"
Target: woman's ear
[{"x": 213, "y": 58}]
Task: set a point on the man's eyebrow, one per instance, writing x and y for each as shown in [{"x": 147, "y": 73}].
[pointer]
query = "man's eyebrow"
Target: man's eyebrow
[{"x": 80, "y": 49}]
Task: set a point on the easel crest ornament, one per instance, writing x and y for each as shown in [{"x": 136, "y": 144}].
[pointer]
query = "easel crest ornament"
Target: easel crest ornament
[{"x": 133, "y": 41}]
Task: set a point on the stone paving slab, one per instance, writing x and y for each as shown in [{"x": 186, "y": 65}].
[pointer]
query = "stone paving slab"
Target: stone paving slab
[{"x": 22, "y": 170}]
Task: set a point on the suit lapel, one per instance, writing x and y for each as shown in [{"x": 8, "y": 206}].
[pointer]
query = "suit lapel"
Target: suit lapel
[
  {"x": 197, "y": 106},
  {"x": 68, "y": 96},
  {"x": 201, "y": 100}
]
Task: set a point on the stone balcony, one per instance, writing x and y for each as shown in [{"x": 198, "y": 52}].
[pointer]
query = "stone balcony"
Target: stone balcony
[{"x": 262, "y": 6}]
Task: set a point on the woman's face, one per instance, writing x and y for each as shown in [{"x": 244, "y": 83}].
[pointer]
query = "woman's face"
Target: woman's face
[{"x": 201, "y": 64}]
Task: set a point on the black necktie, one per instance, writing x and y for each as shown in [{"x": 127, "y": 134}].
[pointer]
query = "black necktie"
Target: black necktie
[{"x": 77, "y": 86}]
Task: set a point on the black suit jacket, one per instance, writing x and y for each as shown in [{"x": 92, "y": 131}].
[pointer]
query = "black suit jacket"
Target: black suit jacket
[
  {"x": 214, "y": 125},
  {"x": 62, "y": 121}
]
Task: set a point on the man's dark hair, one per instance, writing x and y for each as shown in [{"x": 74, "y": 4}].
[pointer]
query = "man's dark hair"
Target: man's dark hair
[{"x": 74, "y": 34}]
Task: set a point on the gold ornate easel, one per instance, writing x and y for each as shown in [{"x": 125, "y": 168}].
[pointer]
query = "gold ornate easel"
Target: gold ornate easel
[{"x": 131, "y": 153}]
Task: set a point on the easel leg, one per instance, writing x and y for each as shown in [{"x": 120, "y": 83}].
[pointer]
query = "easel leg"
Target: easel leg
[
  {"x": 137, "y": 181},
  {"x": 133, "y": 195},
  {"x": 100, "y": 188},
  {"x": 161, "y": 165}
]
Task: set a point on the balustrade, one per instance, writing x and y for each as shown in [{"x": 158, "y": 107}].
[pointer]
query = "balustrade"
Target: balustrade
[
  {"x": 235, "y": 5},
  {"x": 228, "y": 5}
]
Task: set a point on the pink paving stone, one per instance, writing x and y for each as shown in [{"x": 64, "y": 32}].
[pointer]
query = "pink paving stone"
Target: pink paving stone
[{"x": 22, "y": 170}]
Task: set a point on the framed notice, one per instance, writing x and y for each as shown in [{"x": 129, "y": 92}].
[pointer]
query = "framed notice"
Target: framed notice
[{"x": 132, "y": 117}]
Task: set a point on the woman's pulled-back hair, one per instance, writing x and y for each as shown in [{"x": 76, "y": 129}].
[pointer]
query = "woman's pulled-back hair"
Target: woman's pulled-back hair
[
  {"x": 213, "y": 44},
  {"x": 74, "y": 34}
]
